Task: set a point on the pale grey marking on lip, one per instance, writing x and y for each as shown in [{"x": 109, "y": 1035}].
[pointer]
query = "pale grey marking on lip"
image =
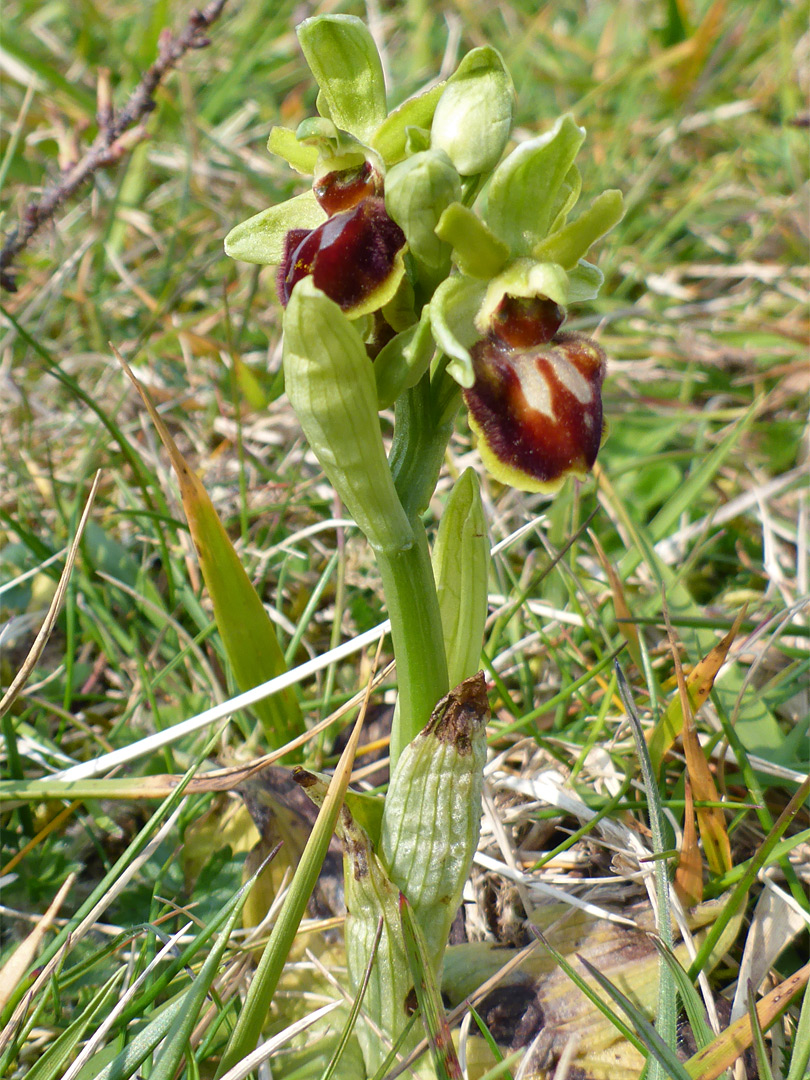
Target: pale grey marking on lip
[
  {"x": 535, "y": 388},
  {"x": 573, "y": 380}
]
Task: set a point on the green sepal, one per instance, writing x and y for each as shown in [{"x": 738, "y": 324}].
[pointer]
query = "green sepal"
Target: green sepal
[
  {"x": 260, "y": 239},
  {"x": 343, "y": 58},
  {"x": 574, "y": 240},
  {"x": 461, "y": 570},
  {"x": 477, "y": 251},
  {"x": 403, "y": 361},
  {"x": 330, "y": 382},
  {"x": 284, "y": 144},
  {"x": 391, "y": 137},
  {"x": 473, "y": 117},
  {"x": 417, "y": 190},
  {"x": 452, "y": 320},
  {"x": 523, "y": 277},
  {"x": 584, "y": 282},
  {"x": 526, "y": 190}
]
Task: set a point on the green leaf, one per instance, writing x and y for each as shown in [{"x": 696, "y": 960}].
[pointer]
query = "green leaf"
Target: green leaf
[
  {"x": 461, "y": 570},
  {"x": 428, "y": 995},
  {"x": 284, "y": 144},
  {"x": 473, "y": 117},
  {"x": 265, "y": 979},
  {"x": 330, "y": 384},
  {"x": 261, "y": 238},
  {"x": 801, "y": 1042},
  {"x": 432, "y": 813},
  {"x": 343, "y": 58},
  {"x": 477, "y": 251},
  {"x": 760, "y": 1049},
  {"x": 129, "y": 1060},
  {"x": 524, "y": 191},
  {"x": 569, "y": 244},
  {"x": 689, "y": 996}
]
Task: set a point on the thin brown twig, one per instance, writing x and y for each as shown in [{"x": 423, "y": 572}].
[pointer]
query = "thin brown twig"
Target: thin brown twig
[{"x": 118, "y": 132}]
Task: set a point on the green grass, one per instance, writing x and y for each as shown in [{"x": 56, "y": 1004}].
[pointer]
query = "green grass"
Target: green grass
[{"x": 704, "y": 497}]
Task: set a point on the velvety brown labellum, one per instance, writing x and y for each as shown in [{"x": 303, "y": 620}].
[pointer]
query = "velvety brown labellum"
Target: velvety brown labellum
[
  {"x": 345, "y": 188},
  {"x": 537, "y": 411},
  {"x": 349, "y": 256}
]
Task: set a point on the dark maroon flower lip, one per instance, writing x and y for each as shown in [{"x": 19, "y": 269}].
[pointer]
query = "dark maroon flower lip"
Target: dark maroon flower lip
[
  {"x": 352, "y": 256},
  {"x": 344, "y": 188},
  {"x": 537, "y": 411}
]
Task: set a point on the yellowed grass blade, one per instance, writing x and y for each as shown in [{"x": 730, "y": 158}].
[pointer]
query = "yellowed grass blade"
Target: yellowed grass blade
[
  {"x": 246, "y": 629},
  {"x": 698, "y": 684}
]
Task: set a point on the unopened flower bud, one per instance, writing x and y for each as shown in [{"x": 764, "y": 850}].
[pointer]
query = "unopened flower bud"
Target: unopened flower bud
[{"x": 474, "y": 114}]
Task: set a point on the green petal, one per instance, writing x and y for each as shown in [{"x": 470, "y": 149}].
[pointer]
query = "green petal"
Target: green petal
[
  {"x": 390, "y": 138},
  {"x": 260, "y": 239},
  {"x": 523, "y": 193},
  {"x": 524, "y": 277},
  {"x": 343, "y": 58},
  {"x": 567, "y": 246},
  {"x": 477, "y": 251},
  {"x": 474, "y": 115},
  {"x": 452, "y": 320},
  {"x": 284, "y": 144},
  {"x": 584, "y": 282}
]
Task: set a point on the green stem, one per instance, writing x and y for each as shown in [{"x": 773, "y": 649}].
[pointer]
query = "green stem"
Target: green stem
[
  {"x": 420, "y": 442},
  {"x": 410, "y": 591},
  {"x": 416, "y": 630}
]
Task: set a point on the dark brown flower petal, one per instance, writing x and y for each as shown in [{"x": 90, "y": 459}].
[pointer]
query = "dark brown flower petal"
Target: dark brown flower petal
[
  {"x": 525, "y": 321},
  {"x": 351, "y": 257},
  {"x": 343, "y": 189},
  {"x": 537, "y": 412}
]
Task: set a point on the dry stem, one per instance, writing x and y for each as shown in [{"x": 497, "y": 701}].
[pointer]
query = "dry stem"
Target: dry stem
[{"x": 117, "y": 133}]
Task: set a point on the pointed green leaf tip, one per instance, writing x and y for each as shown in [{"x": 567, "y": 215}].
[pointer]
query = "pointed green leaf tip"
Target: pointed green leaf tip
[{"x": 343, "y": 58}]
